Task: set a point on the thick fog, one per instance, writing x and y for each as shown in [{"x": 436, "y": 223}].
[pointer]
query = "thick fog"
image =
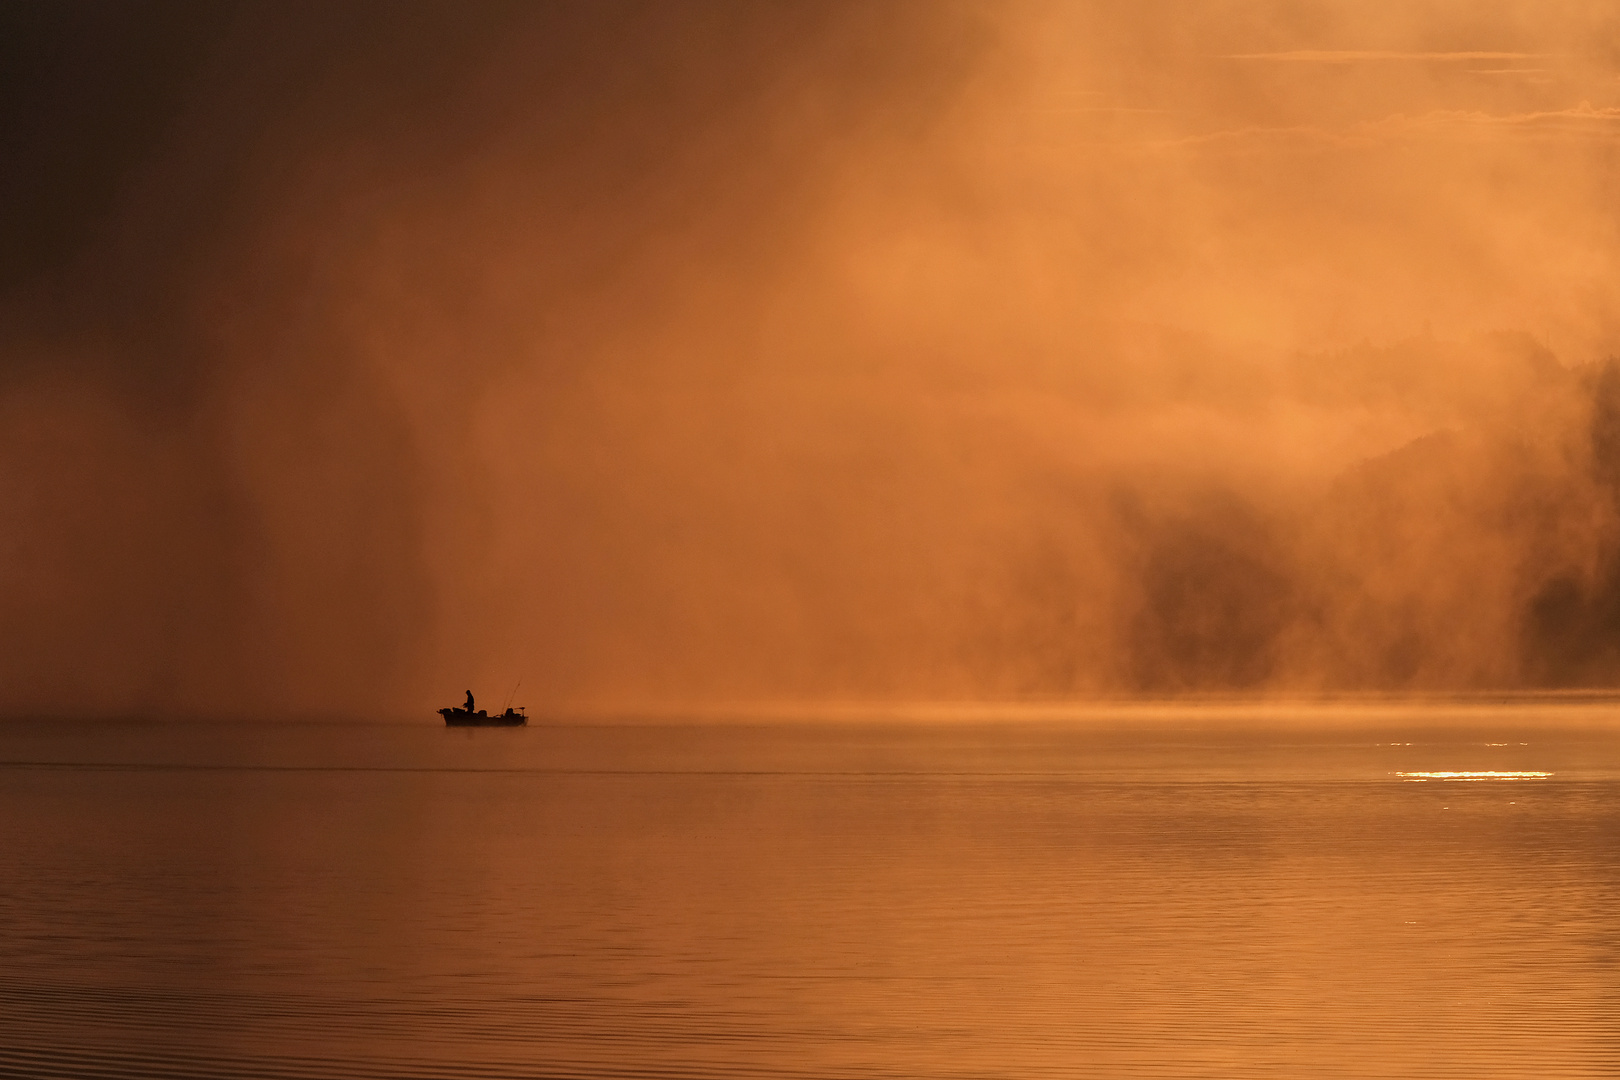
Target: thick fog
[{"x": 357, "y": 354}]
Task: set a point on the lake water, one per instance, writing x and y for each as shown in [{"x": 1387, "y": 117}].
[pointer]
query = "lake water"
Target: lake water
[{"x": 1185, "y": 892}]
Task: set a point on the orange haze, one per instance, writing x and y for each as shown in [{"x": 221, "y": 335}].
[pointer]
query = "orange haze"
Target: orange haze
[{"x": 676, "y": 352}]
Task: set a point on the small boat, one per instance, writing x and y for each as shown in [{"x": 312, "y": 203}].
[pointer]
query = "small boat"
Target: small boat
[{"x": 467, "y": 718}]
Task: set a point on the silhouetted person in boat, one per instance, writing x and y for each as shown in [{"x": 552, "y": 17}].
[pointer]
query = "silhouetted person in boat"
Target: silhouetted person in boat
[{"x": 469, "y": 701}]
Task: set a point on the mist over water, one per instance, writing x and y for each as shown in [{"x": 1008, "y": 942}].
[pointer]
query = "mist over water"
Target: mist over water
[
  {"x": 1038, "y": 538},
  {"x": 357, "y": 354}
]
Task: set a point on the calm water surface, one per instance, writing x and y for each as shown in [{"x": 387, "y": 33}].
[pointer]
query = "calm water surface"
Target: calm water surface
[{"x": 1213, "y": 896}]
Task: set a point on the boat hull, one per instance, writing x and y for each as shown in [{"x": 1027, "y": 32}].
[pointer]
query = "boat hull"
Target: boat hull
[{"x": 463, "y": 718}]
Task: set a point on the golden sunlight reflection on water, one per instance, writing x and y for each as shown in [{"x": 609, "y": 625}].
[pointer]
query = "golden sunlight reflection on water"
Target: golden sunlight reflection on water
[
  {"x": 1488, "y": 774},
  {"x": 848, "y": 900}
]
